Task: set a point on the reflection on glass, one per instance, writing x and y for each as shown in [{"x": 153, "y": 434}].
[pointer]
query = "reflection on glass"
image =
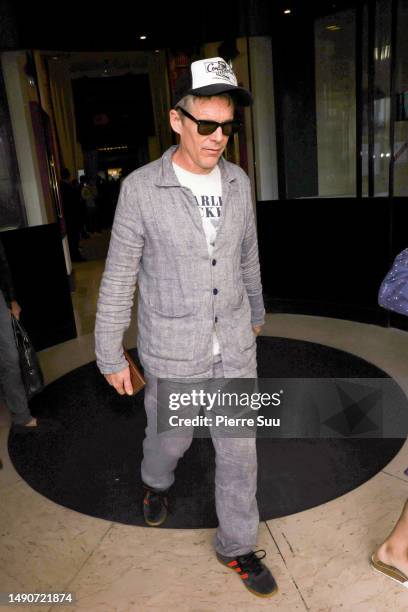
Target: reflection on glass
[
  {"x": 401, "y": 111},
  {"x": 336, "y": 103},
  {"x": 11, "y": 209},
  {"x": 365, "y": 98},
  {"x": 382, "y": 65}
]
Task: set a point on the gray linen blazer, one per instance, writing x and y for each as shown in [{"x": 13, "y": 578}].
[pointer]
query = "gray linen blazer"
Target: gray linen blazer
[{"x": 158, "y": 241}]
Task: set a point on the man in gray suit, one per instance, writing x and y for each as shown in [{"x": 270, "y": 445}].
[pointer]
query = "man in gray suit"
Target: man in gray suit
[{"x": 184, "y": 230}]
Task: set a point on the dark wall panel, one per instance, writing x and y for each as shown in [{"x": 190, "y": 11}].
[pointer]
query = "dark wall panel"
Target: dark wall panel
[
  {"x": 36, "y": 260},
  {"x": 294, "y": 60},
  {"x": 325, "y": 257}
]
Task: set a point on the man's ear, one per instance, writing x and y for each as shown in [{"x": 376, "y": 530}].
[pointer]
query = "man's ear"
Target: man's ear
[{"x": 175, "y": 121}]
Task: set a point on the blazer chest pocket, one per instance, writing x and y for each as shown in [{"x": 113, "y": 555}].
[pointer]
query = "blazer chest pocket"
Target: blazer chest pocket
[{"x": 168, "y": 299}]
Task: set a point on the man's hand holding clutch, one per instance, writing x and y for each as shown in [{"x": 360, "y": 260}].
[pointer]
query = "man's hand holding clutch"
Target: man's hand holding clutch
[
  {"x": 128, "y": 381},
  {"x": 121, "y": 381}
]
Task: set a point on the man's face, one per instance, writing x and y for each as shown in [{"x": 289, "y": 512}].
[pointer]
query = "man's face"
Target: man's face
[{"x": 200, "y": 154}]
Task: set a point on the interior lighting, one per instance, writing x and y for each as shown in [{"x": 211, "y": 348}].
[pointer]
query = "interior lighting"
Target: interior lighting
[
  {"x": 142, "y": 37},
  {"x": 120, "y": 148},
  {"x": 383, "y": 53},
  {"x": 287, "y": 12},
  {"x": 333, "y": 28}
]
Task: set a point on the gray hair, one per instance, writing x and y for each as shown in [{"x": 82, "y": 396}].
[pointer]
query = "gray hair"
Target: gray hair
[{"x": 187, "y": 101}]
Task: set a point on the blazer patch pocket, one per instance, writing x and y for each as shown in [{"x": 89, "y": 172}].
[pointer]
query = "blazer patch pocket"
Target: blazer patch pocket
[
  {"x": 168, "y": 300},
  {"x": 238, "y": 299}
]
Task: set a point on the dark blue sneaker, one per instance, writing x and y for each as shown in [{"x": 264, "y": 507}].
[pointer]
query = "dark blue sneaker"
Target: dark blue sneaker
[
  {"x": 155, "y": 506},
  {"x": 253, "y": 573}
]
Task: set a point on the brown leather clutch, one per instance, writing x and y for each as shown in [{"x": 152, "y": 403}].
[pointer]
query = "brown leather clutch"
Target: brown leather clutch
[{"x": 136, "y": 377}]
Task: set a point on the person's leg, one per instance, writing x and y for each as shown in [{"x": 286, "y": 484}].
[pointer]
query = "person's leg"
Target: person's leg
[
  {"x": 235, "y": 496},
  {"x": 88, "y": 218},
  {"x": 163, "y": 446},
  {"x": 235, "y": 499},
  {"x": 73, "y": 243},
  {"x": 394, "y": 551},
  {"x": 161, "y": 451},
  {"x": 10, "y": 374},
  {"x": 235, "y": 490}
]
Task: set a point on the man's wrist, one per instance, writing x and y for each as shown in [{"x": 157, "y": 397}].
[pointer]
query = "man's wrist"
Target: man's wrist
[{"x": 113, "y": 369}]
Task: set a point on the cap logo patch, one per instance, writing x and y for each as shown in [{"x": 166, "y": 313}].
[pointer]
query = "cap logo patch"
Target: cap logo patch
[{"x": 222, "y": 70}]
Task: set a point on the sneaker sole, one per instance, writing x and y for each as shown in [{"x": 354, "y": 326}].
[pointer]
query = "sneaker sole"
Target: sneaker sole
[
  {"x": 271, "y": 594},
  {"x": 156, "y": 524}
]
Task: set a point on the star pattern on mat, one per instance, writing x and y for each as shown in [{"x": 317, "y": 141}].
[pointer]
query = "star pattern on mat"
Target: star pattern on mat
[{"x": 353, "y": 419}]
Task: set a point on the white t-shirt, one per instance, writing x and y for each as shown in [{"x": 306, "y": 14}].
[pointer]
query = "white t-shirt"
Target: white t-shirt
[{"x": 207, "y": 190}]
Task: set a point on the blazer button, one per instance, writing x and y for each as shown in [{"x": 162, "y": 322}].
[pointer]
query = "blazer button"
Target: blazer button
[
  {"x": 216, "y": 320},
  {"x": 214, "y": 261},
  {"x": 215, "y": 291}
]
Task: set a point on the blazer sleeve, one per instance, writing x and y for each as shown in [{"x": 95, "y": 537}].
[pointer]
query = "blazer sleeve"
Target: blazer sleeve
[
  {"x": 117, "y": 288},
  {"x": 250, "y": 262}
]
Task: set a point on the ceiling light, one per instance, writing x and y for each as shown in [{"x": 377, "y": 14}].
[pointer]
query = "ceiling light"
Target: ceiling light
[
  {"x": 287, "y": 11},
  {"x": 142, "y": 37}
]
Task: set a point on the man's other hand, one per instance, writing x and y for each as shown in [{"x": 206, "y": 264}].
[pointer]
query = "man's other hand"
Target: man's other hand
[
  {"x": 15, "y": 309},
  {"x": 121, "y": 381},
  {"x": 257, "y": 329}
]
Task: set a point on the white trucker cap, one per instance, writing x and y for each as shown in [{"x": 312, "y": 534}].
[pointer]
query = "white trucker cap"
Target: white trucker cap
[{"x": 210, "y": 77}]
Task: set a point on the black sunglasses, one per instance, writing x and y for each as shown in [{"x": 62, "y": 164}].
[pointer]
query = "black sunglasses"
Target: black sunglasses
[{"x": 205, "y": 127}]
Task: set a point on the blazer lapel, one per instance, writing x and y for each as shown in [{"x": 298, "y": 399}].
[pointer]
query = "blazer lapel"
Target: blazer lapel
[
  {"x": 226, "y": 180},
  {"x": 167, "y": 179}
]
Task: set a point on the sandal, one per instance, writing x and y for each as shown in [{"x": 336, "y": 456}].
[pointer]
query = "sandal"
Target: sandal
[{"x": 389, "y": 571}]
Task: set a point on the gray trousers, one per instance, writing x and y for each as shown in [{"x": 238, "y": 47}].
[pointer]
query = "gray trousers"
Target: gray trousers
[
  {"x": 10, "y": 375},
  {"x": 235, "y": 474}
]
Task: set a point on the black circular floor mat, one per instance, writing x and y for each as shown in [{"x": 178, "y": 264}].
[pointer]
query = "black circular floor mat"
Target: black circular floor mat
[{"x": 92, "y": 463}]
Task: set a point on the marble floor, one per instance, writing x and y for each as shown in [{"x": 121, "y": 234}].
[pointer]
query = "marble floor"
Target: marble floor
[{"x": 319, "y": 557}]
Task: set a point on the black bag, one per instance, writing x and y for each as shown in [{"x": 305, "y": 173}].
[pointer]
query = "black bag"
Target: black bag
[{"x": 30, "y": 368}]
